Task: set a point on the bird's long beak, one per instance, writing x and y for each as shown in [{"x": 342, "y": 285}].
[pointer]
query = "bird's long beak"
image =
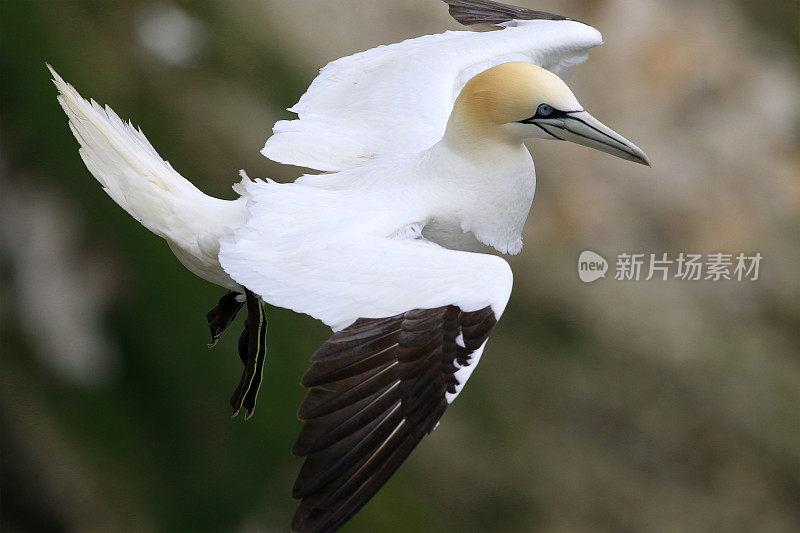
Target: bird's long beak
[{"x": 582, "y": 128}]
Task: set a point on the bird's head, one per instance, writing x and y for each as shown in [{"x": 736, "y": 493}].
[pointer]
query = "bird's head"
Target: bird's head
[{"x": 521, "y": 101}]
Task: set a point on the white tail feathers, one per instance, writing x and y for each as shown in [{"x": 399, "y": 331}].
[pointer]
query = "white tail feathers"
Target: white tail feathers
[{"x": 147, "y": 187}]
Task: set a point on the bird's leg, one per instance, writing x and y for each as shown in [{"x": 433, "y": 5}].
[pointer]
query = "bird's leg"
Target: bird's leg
[
  {"x": 252, "y": 352},
  {"x": 244, "y": 347},
  {"x": 221, "y": 316},
  {"x": 260, "y": 352}
]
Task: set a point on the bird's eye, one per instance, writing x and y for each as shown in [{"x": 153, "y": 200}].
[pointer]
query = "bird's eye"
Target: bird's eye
[{"x": 544, "y": 110}]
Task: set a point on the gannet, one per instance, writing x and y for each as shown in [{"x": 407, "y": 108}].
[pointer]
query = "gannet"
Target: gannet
[{"x": 422, "y": 172}]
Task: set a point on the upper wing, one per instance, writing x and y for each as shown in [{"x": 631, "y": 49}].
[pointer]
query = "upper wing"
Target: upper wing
[
  {"x": 411, "y": 318},
  {"x": 302, "y": 248},
  {"x": 397, "y": 98}
]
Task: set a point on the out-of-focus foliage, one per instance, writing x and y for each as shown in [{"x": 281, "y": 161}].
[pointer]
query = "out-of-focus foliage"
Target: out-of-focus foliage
[{"x": 638, "y": 406}]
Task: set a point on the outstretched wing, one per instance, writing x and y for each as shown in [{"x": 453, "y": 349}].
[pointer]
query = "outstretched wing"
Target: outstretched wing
[
  {"x": 379, "y": 386},
  {"x": 397, "y": 98},
  {"x": 411, "y": 319},
  {"x": 302, "y": 249}
]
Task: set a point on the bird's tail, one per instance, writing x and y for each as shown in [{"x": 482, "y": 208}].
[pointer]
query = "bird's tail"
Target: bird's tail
[{"x": 147, "y": 187}]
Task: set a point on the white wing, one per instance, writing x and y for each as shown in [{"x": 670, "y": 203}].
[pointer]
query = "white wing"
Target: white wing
[
  {"x": 397, "y": 98},
  {"x": 334, "y": 270},
  {"x": 412, "y": 318}
]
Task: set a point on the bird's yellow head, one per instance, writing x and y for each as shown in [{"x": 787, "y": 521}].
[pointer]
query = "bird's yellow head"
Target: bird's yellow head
[{"x": 521, "y": 100}]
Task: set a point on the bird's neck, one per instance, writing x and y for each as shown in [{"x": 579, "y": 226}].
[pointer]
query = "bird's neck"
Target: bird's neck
[
  {"x": 487, "y": 178},
  {"x": 476, "y": 147},
  {"x": 470, "y": 129}
]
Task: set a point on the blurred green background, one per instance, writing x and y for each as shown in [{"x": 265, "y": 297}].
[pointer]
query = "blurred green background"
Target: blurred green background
[{"x": 616, "y": 406}]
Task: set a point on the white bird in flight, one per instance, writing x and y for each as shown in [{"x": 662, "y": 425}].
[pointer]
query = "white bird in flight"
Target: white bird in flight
[{"x": 423, "y": 172}]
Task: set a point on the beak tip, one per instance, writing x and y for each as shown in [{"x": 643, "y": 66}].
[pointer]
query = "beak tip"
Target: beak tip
[
  {"x": 583, "y": 128},
  {"x": 641, "y": 158}
]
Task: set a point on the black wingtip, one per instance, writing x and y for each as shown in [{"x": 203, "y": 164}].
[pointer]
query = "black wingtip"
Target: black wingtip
[
  {"x": 483, "y": 13},
  {"x": 378, "y": 387}
]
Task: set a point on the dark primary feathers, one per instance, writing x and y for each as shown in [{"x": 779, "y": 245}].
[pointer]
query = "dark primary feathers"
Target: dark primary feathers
[
  {"x": 377, "y": 388},
  {"x": 486, "y": 12}
]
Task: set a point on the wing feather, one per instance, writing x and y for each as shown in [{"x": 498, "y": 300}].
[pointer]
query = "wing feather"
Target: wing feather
[
  {"x": 479, "y": 12},
  {"x": 337, "y": 271},
  {"x": 410, "y": 318},
  {"x": 352, "y": 451},
  {"x": 397, "y": 98}
]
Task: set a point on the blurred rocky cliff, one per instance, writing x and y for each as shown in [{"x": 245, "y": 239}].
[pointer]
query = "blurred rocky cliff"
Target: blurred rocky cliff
[{"x": 611, "y": 406}]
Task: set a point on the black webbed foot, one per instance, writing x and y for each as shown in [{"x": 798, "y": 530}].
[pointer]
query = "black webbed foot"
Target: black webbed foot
[
  {"x": 252, "y": 352},
  {"x": 221, "y": 316}
]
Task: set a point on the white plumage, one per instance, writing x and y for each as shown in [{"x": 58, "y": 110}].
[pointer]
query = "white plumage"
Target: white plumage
[
  {"x": 397, "y": 98},
  {"x": 134, "y": 175},
  {"x": 342, "y": 254},
  {"x": 380, "y": 110},
  {"x": 426, "y": 171}
]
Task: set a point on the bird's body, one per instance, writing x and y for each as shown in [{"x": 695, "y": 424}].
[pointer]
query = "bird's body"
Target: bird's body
[
  {"x": 421, "y": 145},
  {"x": 444, "y": 191}
]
